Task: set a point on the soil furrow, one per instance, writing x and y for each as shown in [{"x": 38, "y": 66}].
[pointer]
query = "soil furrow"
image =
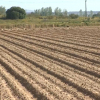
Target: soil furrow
[
  {"x": 16, "y": 87},
  {"x": 88, "y": 71},
  {"x": 42, "y": 38},
  {"x": 65, "y": 80},
  {"x": 52, "y": 88},
  {"x": 69, "y": 39},
  {"x": 50, "y": 63},
  {"x": 5, "y": 90},
  {"x": 64, "y": 86},
  {"x": 39, "y": 43},
  {"x": 66, "y": 51},
  {"x": 26, "y": 83},
  {"x": 80, "y": 48}
]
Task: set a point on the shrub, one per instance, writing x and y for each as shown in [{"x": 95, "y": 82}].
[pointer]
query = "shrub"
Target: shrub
[
  {"x": 15, "y": 13},
  {"x": 73, "y": 16}
]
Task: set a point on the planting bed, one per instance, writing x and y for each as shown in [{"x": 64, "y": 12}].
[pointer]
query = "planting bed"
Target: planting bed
[{"x": 50, "y": 64}]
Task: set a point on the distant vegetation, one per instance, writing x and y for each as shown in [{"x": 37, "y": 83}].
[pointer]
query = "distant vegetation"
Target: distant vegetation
[
  {"x": 2, "y": 11},
  {"x": 96, "y": 15},
  {"x": 46, "y": 17},
  {"x": 59, "y": 12},
  {"x": 48, "y": 12},
  {"x": 15, "y": 13},
  {"x": 73, "y": 16}
]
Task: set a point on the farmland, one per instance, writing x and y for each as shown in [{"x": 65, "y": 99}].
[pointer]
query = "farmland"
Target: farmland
[{"x": 50, "y": 64}]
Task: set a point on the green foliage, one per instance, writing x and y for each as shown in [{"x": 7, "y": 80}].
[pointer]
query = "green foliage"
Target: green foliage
[
  {"x": 81, "y": 13},
  {"x": 58, "y": 11},
  {"x": 15, "y": 13},
  {"x": 96, "y": 15},
  {"x": 48, "y": 12},
  {"x": 2, "y": 10},
  {"x": 48, "y": 21},
  {"x": 43, "y": 11},
  {"x": 73, "y": 16},
  {"x": 91, "y": 14},
  {"x": 64, "y": 13}
]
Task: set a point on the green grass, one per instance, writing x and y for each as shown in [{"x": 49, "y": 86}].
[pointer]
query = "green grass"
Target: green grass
[{"x": 44, "y": 22}]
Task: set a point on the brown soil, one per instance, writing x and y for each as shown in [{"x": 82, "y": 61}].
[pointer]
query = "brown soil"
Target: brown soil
[{"x": 50, "y": 64}]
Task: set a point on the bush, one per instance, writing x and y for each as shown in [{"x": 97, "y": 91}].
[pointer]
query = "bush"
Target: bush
[
  {"x": 15, "y": 13},
  {"x": 73, "y": 16}
]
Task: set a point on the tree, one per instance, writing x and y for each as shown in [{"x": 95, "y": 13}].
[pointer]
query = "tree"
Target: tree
[
  {"x": 37, "y": 12},
  {"x": 91, "y": 13},
  {"x": 15, "y": 13},
  {"x": 43, "y": 11},
  {"x": 2, "y": 10},
  {"x": 58, "y": 11},
  {"x": 50, "y": 11},
  {"x": 80, "y": 13},
  {"x": 65, "y": 12}
]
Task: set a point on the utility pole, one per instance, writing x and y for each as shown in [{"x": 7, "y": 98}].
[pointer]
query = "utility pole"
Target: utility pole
[{"x": 85, "y": 8}]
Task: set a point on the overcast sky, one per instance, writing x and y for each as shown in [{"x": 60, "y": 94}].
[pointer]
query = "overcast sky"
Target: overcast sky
[{"x": 70, "y": 5}]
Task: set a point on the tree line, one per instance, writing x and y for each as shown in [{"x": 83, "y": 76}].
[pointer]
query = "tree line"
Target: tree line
[
  {"x": 49, "y": 12},
  {"x": 20, "y": 13},
  {"x": 59, "y": 12},
  {"x": 82, "y": 13}
]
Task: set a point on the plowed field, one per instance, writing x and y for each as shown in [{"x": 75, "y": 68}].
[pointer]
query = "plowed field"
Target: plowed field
[{"x": 50, "y": 64}]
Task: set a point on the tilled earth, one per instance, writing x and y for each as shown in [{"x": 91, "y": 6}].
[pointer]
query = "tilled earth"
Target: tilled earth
[{"x": 50, "y": 64}]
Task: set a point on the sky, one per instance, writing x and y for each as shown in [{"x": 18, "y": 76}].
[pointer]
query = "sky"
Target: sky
[{"x": 69, "y": 5}]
